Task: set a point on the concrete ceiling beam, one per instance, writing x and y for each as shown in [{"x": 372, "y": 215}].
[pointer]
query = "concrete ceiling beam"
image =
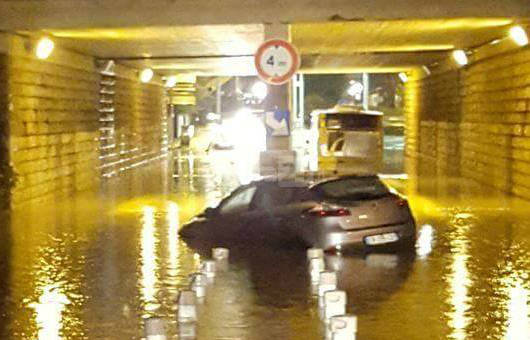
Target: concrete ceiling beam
[{"x": 38, "y": 14}]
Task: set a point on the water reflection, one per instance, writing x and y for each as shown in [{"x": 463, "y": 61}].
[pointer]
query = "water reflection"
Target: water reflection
[
  {"x": 518, "y": 313},
  {"x": 459, "y": 278},
  {"x": 149, "y": 267},
  {"x": 425, "y": 241},
  {"x": 173, "y": 222},
  {"x": 49, "y": 312},
  {"x": 92, "y": 268}
]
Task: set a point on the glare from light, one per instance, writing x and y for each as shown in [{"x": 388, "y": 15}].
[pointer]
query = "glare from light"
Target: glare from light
[
  {"x": 459, "y": 281},
  {"x": 403, "y": 76},
  {"x": 426, "y": 70},
  {"x": 424, "y": 242},
  {"x": 355, "y": 89},
  {"x": 149, "y": 267},
  {"x": 460, "y": 57},
  {"x": 518, "y": 320},
  {"x": 49, "y": 312},
  {"x": 191, "y": 131},
  {"x": 146, "y": 75},
  {"x": 173, "y": 249},
  {"x": 259, "y": 90},
  {"x": 212, "y": 116},
  {"x": 247, "y": 134},
  {"x": 171, "y": 81},
  {"x": 44, "y": 48},
  {"x": 518, "y": 34}
]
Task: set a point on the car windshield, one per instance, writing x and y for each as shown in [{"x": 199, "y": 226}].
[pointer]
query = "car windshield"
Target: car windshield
[{"x": 360, "y": 188}]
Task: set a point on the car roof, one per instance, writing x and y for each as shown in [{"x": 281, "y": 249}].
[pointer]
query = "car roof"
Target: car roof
[{"x": 344, "y": 177}]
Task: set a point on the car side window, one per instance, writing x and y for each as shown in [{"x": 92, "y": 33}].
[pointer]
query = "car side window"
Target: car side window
[
  {"x": 272, "y": 196},
  {"x": 239, "y": 201}
]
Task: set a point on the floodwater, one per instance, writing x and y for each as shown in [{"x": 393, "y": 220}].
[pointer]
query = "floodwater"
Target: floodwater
[{"x": 95, "y": 266}]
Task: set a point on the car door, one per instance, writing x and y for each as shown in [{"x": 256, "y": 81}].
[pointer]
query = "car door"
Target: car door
[
  {"x": 272, "y": 211},
  {"x": 232, "y": 216}
]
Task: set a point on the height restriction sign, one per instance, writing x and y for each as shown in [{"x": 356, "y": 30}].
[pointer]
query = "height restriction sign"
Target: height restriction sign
[{"x": 276, "y": 61}]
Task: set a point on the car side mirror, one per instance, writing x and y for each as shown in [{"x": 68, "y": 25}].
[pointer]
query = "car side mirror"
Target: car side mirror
[{"x": 210, "y": 212}]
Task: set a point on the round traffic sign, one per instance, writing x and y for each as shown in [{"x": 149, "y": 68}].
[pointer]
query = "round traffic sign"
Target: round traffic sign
[{"x": 276, "y": 61}]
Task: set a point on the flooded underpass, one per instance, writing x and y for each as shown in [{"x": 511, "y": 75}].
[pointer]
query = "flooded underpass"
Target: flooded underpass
[{"x": 96, "y": 266}]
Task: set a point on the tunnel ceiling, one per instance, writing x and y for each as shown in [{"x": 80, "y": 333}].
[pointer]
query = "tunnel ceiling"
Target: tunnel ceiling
[{"x": 332, "y": 47}]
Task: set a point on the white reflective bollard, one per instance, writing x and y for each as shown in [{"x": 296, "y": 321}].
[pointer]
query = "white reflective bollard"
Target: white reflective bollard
[
  {"x": 316, "y": 266},
  {"x": 187, "y": 330},
  {"x": 220, "y": 254},
  {"x": 208, "y": 269},
  {"x": 199, "y": 288},
  {"x": 327, "y": 281},
  {"x": 155, "y": 329},
  {"x": 334, "y": 304},
  {"x": 187, "y": 309},
  {"x": 315, "y": 253},
  {"x": 199, "y": 278},
  {"x": 343, "y": 327}
]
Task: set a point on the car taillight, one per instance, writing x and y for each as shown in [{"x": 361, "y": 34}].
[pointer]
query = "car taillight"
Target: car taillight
[{"x": 323, "y": 211}]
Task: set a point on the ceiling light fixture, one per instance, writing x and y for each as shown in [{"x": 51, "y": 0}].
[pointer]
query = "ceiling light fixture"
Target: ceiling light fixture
[
  {"x": 460, "y": 57},
  {"x": 146, "y": 75},
  {"x": 403, "y": 76},
  {"x": 44, "y": 48},
  {"x": 518, "y": 34}
]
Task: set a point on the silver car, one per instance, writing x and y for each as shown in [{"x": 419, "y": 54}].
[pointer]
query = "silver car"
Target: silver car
[{"x": 335, "y": 214}]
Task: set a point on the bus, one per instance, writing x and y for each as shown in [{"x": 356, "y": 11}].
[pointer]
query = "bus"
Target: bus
[{"x": 350, "y": 140}]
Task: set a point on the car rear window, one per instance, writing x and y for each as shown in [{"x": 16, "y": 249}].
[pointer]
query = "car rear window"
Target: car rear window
[{"x": 359, "y": 188}]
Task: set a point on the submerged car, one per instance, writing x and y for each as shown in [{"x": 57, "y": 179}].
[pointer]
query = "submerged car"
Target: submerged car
[{"x": 335, "y": 214}]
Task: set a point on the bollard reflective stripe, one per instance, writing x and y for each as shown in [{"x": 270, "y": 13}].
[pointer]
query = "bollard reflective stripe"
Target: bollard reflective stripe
[
  {"x": 343, "y": 327},
  {"x": 155, "y": 329},
  {"x": 334, "y": 304},
  {"x": 313, "y": 253},
  {"x": 208, "y": 268},
  {"x": 187, "y": 310},
  {"x": 327, "y": 281},
  {"x": 316, "y": 266},
  {"x": 199, "y": 279},
  {"x": 187, "y": 330},
  {"x": 220, "y": 253},
  {"x": 200, "y": 291}
]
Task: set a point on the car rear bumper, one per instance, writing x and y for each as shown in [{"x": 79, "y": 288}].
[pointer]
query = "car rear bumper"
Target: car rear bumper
[{"x": 337, "y": 238}]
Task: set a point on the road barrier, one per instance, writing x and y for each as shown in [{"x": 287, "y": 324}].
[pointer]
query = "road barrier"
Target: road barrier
[
  {"x": 315, "y": 253},
  {"x": 208, "y": 268},
  {"x": 343, "y": 327},
  {"x": 334, "y": 304},
  {"x": 316, "y": 266},
  {"x": 187, "y": 309},
  {"x": 331, "y": 302},
  {"x": 155, "y": 329}
]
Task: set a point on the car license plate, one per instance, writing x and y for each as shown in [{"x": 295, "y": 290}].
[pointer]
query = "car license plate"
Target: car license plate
[{"x": 381, "y": 239}]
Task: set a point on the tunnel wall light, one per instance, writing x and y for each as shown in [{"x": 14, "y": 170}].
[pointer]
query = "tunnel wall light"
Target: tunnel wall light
[
  {"x": 146, "y": 75},
  {"x": 403, "y": 76},
  {"x": 171, "y": 81},
  {"x": 518, "y": 34},
  {"x": 460, "y": 57},
  {"x": 44, "y": 48}
]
